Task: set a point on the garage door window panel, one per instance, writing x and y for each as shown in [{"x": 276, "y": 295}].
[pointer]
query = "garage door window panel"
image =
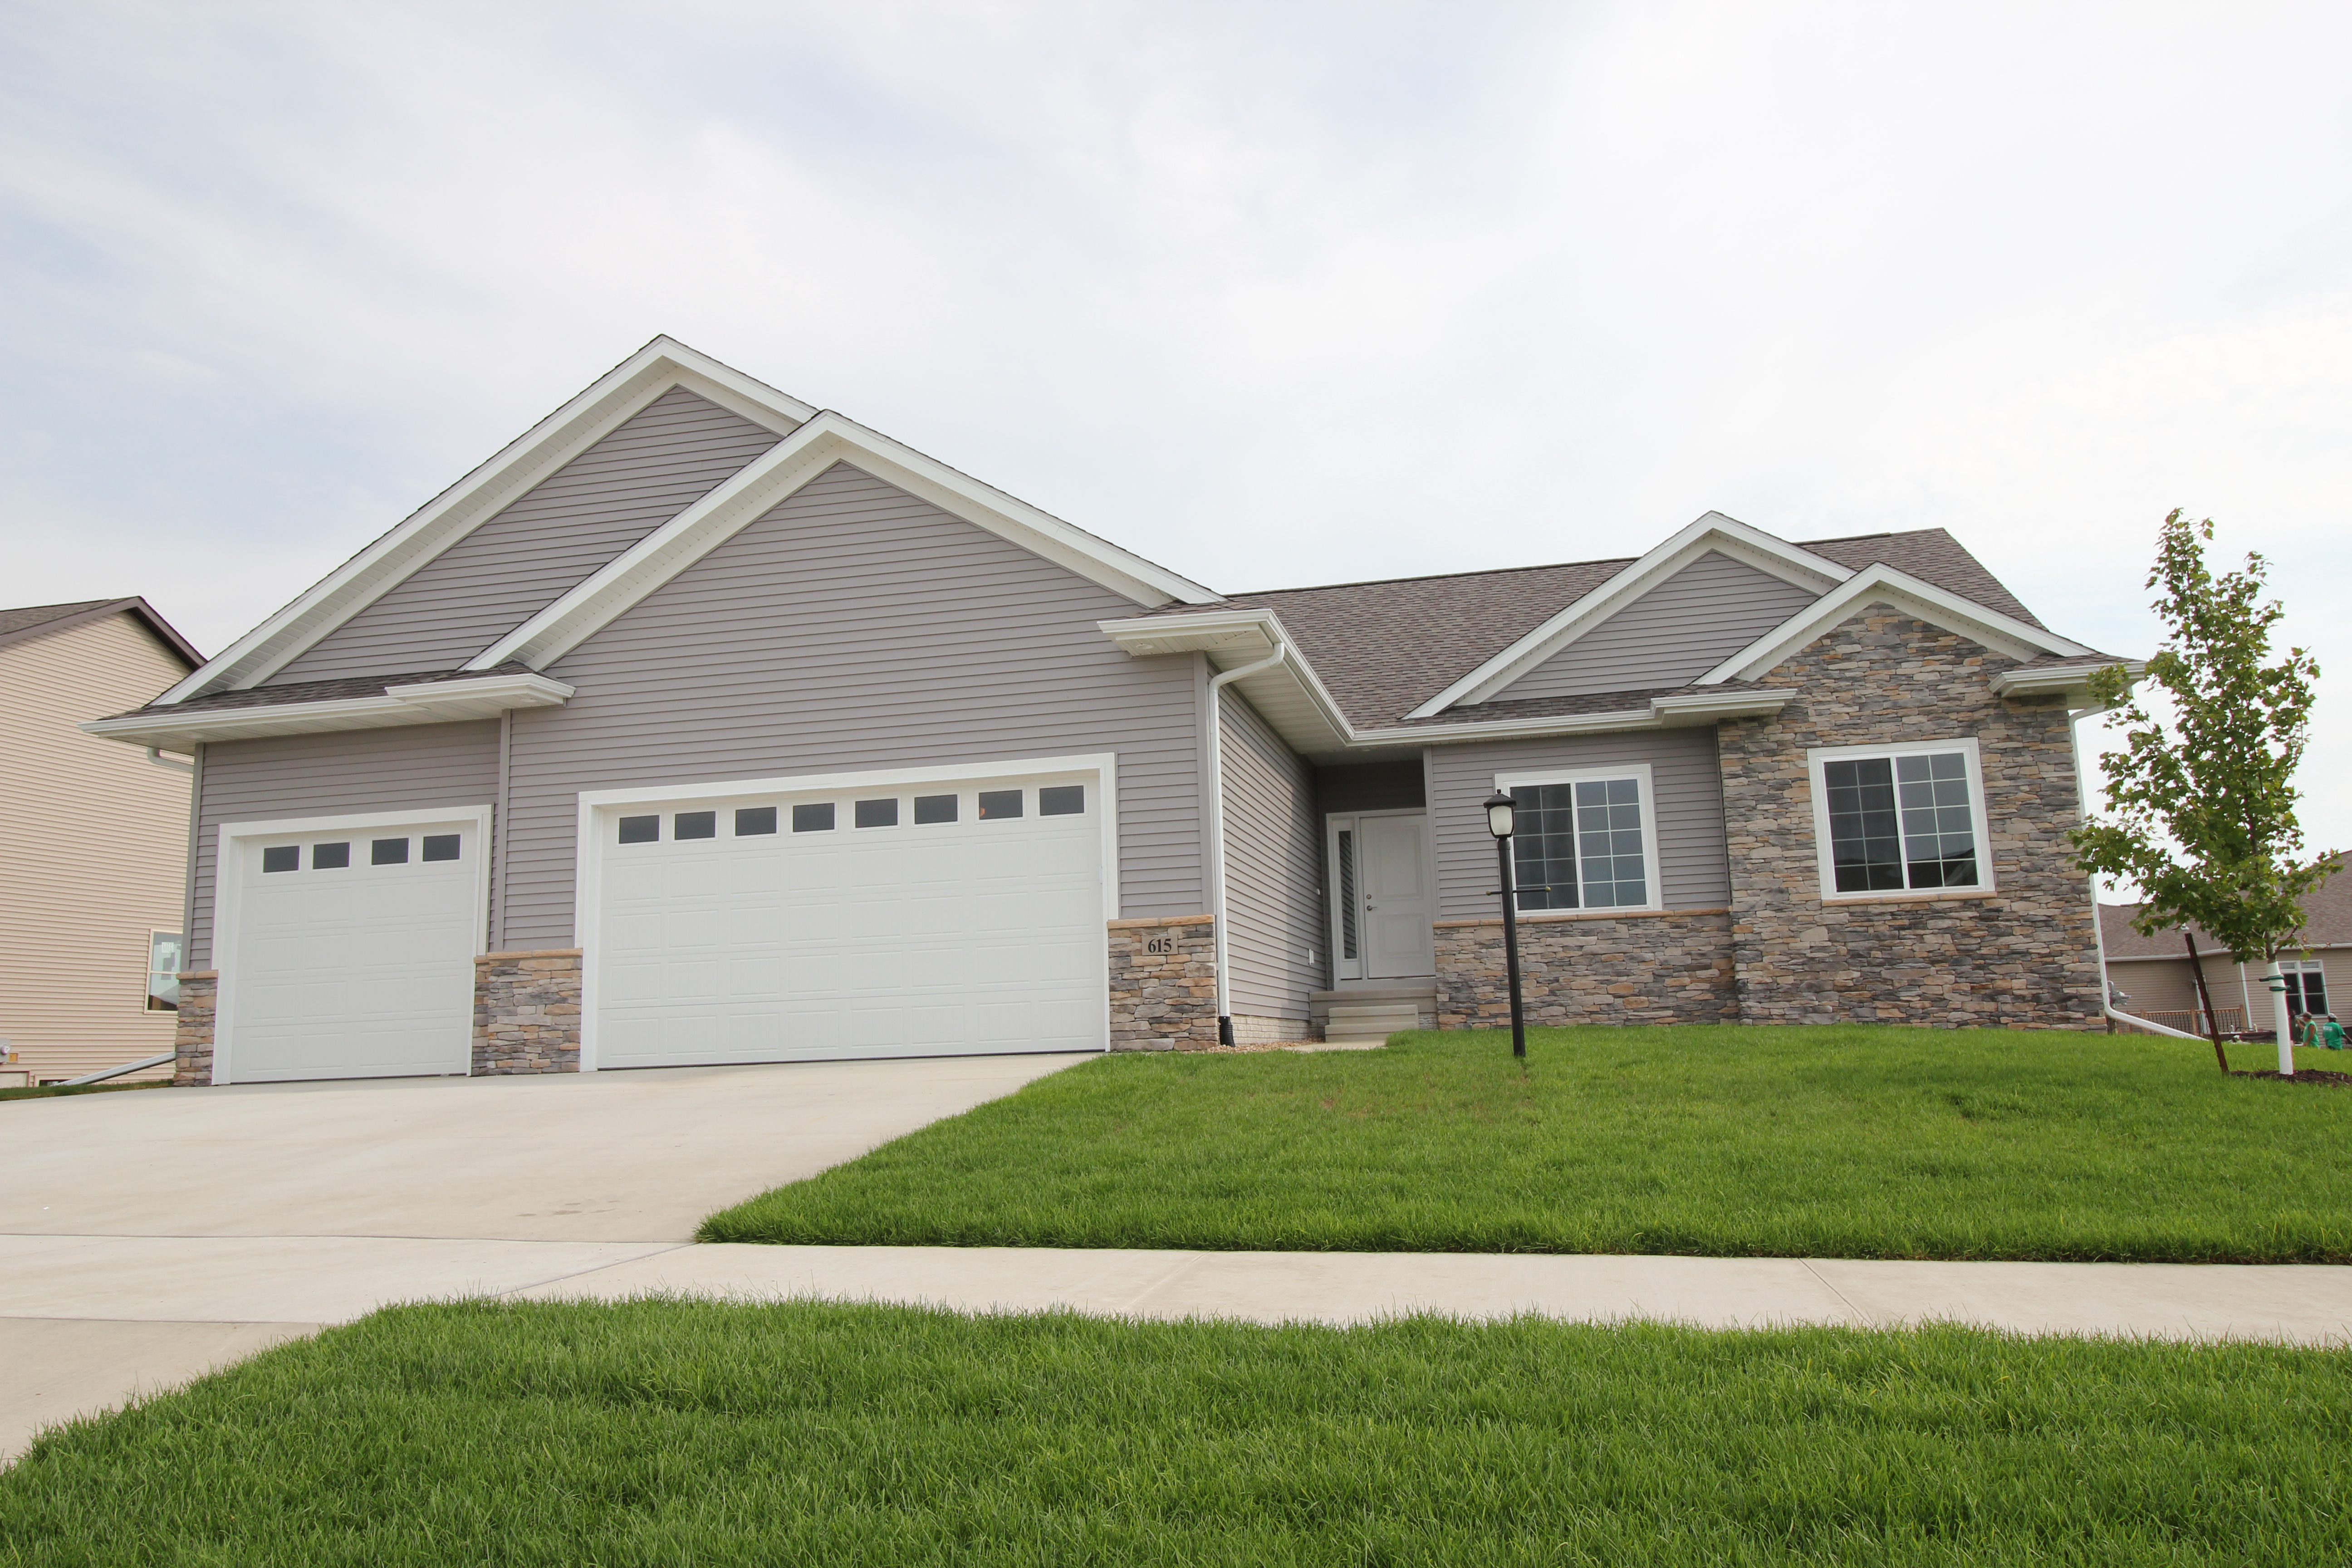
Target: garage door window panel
[{"x": 388, "y": 852}]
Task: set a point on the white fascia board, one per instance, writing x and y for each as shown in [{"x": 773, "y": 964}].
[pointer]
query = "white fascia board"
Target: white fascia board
[
  {"x": 772, "y": 478},
  {"x": 430, "y": 702},
  {"x": 1714, "y": 531},
  {"x": 1289, "y": 696},
  {"x": 2070, "y": 680},
  {"x": 1708, "y": 708},
  {"x": 1883, "y": 584},
  {"x": 611, "y": 401},
  {"x": 1250, "y": 634}
]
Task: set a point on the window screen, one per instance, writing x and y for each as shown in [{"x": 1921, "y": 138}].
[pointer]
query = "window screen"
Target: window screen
[
  {"x": 1900, "y": 822},
  {"x": 818, "y": 818},
  {"x": 330, "y": 856},
  {"x": 935, "y": 808},
  {"x": 1580, "y": 845},
  {"x": 694, "y": 824},
  {"x": 753, "y": 820}
]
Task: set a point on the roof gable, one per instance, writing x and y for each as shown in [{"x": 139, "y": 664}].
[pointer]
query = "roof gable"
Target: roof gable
[
  {"x": 659, "y": 462},
  {"x": 1883, "y": 584},
  {"x": 811, "y": 440},
  {"x": 1671, "y": 635},
  {"x": 1711, "y": 532},
  {"x": 30, "y": 621}
]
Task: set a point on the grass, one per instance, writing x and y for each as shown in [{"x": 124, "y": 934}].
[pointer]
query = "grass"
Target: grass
[
  {"x": 1842, "y": 1142},
  {"x": 676, "y": 1433},
  {"x": 51, "y": 1091}
]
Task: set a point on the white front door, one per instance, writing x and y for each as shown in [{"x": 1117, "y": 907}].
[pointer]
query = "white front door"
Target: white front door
[
  {"x": 347, "y": 949},
  {"x": 918, "y": 919},
  {"x": 1382, "y": 902}
]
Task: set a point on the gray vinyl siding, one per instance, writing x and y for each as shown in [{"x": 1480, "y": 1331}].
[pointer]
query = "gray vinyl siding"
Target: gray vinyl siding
[
  {"x": 1676, "y": 632},
  {"x": 669, "y": 455},
  {"x": 415, "y": 767},
  {"x": 855, "y": 627},
  {"x": 1693, "y": 869},
  {"x": 1273, "y": 892}
]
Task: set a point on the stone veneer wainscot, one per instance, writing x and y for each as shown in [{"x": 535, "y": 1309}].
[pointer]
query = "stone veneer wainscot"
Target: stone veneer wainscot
[
  {"x": 1670, "y": 966},
  {"x": 1163, "y": 984},
  {"x": 192, "y": 1031},
  {"x": 2021, "y": 955},
  {"x": 527, "y": 1012}
]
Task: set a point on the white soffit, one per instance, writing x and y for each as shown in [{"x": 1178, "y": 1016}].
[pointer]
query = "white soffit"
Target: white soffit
[
  {"x": 426, "y": 702},
  {"x": 1883, "y": 584},
  {"x": 611, "y": 401},
  {"x": 772, "y": 478},
  {"x": 1714, "y": 531}
]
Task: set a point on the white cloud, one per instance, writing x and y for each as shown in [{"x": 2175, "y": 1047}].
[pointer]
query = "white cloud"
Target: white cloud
[{"x": 1275, "y": 295}]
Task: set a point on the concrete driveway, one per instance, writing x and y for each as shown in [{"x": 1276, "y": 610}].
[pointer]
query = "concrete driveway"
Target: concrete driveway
[{"x": 149, "y": 1235}]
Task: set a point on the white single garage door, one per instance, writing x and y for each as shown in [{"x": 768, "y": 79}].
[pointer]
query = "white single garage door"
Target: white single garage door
[
  {"x": 347, "y": 950},
  {"x": 933, "y": 919}
]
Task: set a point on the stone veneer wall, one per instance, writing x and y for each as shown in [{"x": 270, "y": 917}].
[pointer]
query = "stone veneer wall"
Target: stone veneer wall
[
  {"x": 1163, "y": 984},
  {"x": 2022, "y": 955},
  {"x": 1670, "y": 967},
  {"x": 192, "y": 1031},
  {"x": 527, "y": 1012}
]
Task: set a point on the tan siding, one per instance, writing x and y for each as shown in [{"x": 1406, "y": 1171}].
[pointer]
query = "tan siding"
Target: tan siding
[
  {"x": 94, "y": 853},
  {"x": 417, "y": 768},
  {"x": 1273, "y": 905}
]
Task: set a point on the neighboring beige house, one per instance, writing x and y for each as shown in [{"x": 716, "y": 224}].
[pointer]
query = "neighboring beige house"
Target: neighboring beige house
[
  {"x": 93, "y": 868},
  {"x": 2154, "y": 973}
]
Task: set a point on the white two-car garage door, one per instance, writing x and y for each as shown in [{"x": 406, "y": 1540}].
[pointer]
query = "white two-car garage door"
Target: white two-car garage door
[
  {"x": 346, "y": 948},
  {"x": 881, "y": 919}
]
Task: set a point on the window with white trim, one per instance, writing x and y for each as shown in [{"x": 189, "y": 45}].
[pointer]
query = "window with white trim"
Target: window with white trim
[
  {"x": 2306, "y": 985},
  {"x": 1900, "y": 820},
  {"x": 1583, "y": 842},
  {"x": 164, "y": 954}
]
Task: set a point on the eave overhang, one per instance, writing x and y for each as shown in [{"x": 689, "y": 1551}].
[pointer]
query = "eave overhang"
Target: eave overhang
[
  {"x": 2070, "y": 681},
  {"x": 1291, "y": 698},
  {"x": 426, "y": 702}
]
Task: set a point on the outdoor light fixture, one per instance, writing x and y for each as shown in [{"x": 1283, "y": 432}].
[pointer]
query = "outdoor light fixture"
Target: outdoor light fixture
[{"x": 1502, "y": 821}]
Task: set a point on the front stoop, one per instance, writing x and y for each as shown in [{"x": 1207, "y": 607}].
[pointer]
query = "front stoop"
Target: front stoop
[{"x": 1370, "y": 1014}]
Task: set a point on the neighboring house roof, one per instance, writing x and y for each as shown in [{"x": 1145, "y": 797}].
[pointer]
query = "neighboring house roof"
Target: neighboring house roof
[
  {"x": 42, "y": 620},
  {"x": 2329, "y": 909}
]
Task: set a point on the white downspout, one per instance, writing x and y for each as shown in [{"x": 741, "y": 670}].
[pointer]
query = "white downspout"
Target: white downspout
[
  {"x": 2099, "y": 931},
  {"x": 1216, "y": 804},
  {"x": 2280, "y": 1018},
  {"x": 156, "y": 756}
]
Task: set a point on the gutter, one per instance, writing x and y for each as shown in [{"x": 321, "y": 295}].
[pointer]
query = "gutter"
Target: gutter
[
  {"x": 2098, "y": 931},
  {"x": 1216, "y": 802}
]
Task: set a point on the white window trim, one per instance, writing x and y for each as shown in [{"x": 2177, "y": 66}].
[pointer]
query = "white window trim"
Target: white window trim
[
  {"x": 1639, "y": 772},
  {"x": 599, "y": 805},
  {"x": 1824, "y": 851},
  {"x": 228, "y": 880},
  {"x": 153, "y": 933}
]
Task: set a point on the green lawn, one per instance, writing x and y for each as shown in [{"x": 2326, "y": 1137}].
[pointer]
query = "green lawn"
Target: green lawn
[
  {"x": 672, "y": 1433},
  {"x": 51, "y": 1091},
  {"x": 1843, "y": 1143}
]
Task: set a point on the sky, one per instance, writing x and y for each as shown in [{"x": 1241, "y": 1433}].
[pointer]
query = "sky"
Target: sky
[{"x": 1273, "y": 294}]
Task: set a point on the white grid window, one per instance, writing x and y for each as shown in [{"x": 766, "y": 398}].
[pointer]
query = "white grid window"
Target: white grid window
[
  {"x": 1585, "y": 841},
  {"x": 1906, "y": 818}
]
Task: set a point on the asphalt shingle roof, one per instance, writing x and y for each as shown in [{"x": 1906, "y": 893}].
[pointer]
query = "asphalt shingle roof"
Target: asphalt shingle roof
[
  {"x": 2329, "y": 909},
  {"x": 342, "y": 688},
  {"x": 1383, "y": 649}
]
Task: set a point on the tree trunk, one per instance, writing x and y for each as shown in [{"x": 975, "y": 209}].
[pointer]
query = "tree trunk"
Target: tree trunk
[{"x": 2205, "y": 996}]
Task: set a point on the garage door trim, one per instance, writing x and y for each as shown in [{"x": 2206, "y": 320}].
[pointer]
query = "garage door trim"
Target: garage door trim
[
  {"x": 229, "y": 879},
  {"x": 597, "y": 806}
]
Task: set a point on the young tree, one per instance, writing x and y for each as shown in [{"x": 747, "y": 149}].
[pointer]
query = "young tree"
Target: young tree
[{"x": 2201, "y": 814}]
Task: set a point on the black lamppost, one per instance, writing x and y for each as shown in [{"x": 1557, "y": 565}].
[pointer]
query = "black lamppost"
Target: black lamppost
[{"x": 1502, "y": 814}]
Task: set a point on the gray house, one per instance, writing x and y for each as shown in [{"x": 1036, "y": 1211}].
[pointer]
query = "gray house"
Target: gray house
[{"x": 702, "y": 725}]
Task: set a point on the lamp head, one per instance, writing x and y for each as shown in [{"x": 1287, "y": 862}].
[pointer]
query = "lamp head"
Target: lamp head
[{"x": 1502, "y": 814}]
